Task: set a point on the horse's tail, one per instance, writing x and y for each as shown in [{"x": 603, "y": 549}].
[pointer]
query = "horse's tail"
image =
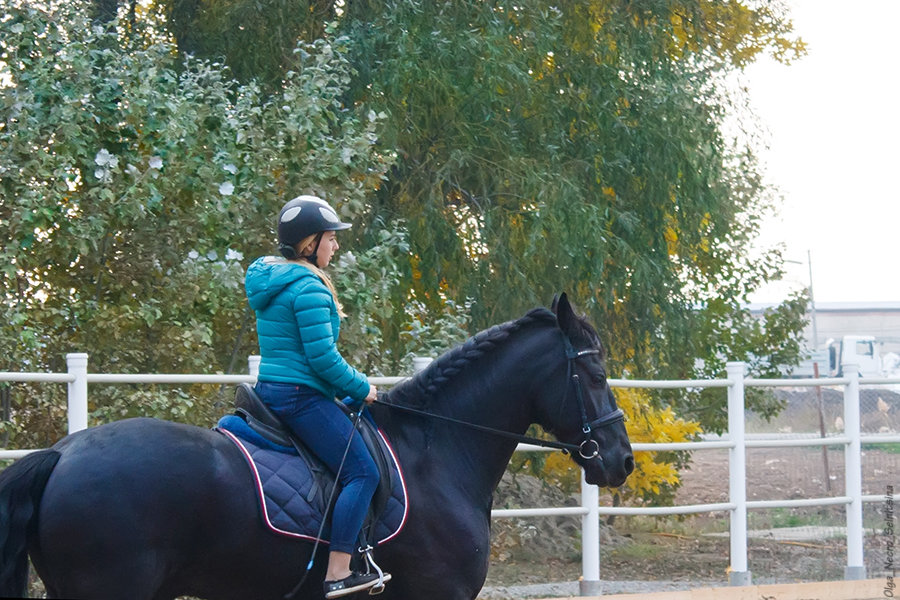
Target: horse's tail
[{"x": 21, "y": 487}]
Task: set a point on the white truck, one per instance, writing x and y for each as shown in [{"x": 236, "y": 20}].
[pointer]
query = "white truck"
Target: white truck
[{"x": 865, "y": 351}]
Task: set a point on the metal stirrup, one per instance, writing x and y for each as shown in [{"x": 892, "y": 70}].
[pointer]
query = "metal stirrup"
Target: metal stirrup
[{"x": 371, "y": 565}]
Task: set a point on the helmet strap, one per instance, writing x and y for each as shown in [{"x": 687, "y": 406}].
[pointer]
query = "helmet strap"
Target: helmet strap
[
  {"x": 287, "y": 251},
  {"x": 312, "y": 257}
]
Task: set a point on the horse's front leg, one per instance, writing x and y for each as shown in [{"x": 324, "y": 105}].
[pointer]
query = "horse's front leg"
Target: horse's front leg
[{"x": 447, "y": 559}]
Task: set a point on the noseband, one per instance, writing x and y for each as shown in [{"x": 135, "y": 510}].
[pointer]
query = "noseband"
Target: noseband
[{"x": 583, "y": 449}]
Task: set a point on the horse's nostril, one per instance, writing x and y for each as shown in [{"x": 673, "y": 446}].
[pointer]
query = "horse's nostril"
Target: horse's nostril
[{"x": 629, "y": 464}]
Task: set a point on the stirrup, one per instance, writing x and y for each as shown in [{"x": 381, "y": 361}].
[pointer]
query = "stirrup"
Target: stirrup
[{"x": 371, "y": 565}]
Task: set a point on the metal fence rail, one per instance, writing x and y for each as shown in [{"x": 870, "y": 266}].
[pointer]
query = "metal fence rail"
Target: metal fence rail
[{"x": 736, "y": 441}]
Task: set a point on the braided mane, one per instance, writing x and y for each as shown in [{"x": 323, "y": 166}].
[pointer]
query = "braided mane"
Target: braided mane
[{"x": 425, "y": 384}]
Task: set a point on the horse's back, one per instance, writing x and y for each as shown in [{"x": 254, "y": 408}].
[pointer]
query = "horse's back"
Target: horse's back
[{"x": 116, "y": 469}]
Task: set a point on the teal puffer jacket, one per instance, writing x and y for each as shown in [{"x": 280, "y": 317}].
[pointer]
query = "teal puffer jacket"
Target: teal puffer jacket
[{"x": 298, "y": 324}]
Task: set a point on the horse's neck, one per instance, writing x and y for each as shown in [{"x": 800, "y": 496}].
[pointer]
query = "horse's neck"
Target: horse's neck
[{"x": 491, "y": 392}]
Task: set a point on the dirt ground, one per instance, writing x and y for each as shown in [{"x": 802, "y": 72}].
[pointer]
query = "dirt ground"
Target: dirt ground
[
  {"x": 529, "y": 551},
  {"x": 777, "y": 473}
]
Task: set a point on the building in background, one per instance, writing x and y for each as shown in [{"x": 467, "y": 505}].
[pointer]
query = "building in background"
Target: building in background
[{"x": 865, "y": 333}]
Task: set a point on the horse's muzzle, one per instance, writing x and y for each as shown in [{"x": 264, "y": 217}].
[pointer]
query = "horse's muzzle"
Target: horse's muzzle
[{"x": 610, "y": 471}]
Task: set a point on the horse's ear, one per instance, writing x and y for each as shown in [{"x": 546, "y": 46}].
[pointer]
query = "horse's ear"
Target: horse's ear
[
  {"x": 555, "y": 302},
  {"x": 565, "y": 314}
]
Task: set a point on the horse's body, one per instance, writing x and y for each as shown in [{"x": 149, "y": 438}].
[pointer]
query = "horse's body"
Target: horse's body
[{"x": 150, "y": 509}]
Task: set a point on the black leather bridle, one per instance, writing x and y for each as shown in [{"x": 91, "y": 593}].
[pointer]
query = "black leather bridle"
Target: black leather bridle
[
  {"x": 583, "y": 449},
  {"x": 586, "y": 426}
]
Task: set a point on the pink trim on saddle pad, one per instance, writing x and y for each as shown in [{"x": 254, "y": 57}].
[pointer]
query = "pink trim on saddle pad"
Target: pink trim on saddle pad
[
  {"x": 257, "y": 482},
  {"x": 390, "y": 448}
]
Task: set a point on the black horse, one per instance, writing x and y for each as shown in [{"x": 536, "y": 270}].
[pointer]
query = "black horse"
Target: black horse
[{"x": 147, "y": 509}]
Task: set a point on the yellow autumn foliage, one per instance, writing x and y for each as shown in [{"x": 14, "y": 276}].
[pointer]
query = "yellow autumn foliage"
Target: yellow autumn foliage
[{"x": 645, "y": 423}]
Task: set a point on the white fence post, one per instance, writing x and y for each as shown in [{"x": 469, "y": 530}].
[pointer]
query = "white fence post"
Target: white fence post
[
  {"x": 855, "y": 568},
  {"x": 420, "y": 363},
  {"x": 589, "y": 585},
  {"x": 76, "y": 364},
  {"x": 253, "y": 365},
  {"x": 737, "y": 479}
]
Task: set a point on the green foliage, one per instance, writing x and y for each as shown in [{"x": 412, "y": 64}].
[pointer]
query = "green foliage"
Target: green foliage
[
  {"x": 135, "y": 188},
  {"x": 890, "y": 448},
  {"x": 766, "y": 344},
  {"x": 489, "y": 155},
  {"x": 255, "y": 39},
  {"x": 387, "y": 327},
  {"x": 578, "y": 146}
]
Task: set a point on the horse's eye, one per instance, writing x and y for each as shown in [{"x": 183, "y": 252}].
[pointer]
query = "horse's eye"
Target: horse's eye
[{"x": 599, "y": 378}]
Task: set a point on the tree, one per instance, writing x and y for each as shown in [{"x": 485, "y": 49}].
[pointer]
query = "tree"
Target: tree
[
  {"x": 136, "y": 186},
  {"x": 546, "y": 146},
  {"x": 255, "y": 39},
  {"x": 578, "y": 146},
  {"x": 491, "y": 154}
]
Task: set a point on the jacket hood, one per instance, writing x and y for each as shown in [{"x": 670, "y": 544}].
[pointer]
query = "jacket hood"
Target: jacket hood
[{"x": 269, "y": 276}]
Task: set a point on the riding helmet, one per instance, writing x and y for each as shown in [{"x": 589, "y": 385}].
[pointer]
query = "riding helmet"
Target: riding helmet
[{"x": 302, "y": 217}]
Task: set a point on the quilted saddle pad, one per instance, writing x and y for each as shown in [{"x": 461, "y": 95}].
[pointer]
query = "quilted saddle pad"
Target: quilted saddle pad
[{"x": 290, "y": 502}]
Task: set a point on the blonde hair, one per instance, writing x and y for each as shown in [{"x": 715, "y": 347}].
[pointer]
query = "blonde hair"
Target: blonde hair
[{"x": 303, "y": 261}]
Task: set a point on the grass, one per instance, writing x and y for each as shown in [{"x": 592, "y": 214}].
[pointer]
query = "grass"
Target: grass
[
  {"x": 690, "y": 525},
  {"x": 639, "y": 551},
  {"x": 891, "y": 448},
  {"x": 775, "y": 518}
]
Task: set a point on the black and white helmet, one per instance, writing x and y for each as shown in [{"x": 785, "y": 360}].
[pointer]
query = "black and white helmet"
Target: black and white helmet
[{"x": 302, "y": 217}]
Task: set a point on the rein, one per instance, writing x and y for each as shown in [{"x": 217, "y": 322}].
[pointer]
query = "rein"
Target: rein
[
  {"x": 583, "y": 449},
  {"x": 499, "y": 432}
]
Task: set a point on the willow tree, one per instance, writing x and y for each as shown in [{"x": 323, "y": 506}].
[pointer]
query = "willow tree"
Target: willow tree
[{"x": 579, "y": 146}]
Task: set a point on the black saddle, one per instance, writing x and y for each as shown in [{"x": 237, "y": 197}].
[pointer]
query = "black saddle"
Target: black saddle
[{"x": 249, "y": 406}]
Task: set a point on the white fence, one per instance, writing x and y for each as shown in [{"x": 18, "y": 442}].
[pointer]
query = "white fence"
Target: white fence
[{"x": 77, "y": 378}]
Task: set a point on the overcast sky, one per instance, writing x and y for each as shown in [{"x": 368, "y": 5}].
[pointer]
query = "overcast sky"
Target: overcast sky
[{"x": 833, "y": 120}]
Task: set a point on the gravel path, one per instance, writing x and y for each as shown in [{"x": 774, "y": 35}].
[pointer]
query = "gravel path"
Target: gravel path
[{"x": 568, "y": 589}]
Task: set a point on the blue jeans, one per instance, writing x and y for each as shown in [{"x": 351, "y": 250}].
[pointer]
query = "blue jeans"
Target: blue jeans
[{"x": 325, "y": 429}]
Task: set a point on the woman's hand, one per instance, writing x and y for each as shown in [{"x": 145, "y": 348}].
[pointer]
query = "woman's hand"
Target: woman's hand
[{"x": 373, "y": 394}]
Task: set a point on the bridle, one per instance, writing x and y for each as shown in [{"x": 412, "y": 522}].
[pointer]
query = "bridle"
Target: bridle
[
  {"x": 583, "y": 449},
  {"x": 586, "y": 426}
]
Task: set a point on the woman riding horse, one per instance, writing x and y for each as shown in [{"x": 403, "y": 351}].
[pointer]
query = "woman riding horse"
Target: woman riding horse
[
  {"x": 301, "y": 371},
  {"x": 150, "y": 510}
]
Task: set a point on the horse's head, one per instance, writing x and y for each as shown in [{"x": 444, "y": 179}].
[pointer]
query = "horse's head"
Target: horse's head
[{"x": 584, "y": 411}]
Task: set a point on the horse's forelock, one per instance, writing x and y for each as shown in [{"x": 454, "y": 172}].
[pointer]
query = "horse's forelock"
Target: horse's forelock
[
  {"x": 581, "y": 333},
  {"x": 590, "y": 335}
]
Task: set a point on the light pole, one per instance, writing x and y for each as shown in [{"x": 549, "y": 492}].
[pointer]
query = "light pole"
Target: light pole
[
  {"x": 812, "y": 299},
  {"x": 812, "y": 302}
]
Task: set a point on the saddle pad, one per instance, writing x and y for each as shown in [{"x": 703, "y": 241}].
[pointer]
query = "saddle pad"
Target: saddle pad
[{"x": 284, "y": 484}]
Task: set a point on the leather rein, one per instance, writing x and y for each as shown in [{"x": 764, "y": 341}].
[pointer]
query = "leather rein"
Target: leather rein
[{"x": 583, "y": 449}]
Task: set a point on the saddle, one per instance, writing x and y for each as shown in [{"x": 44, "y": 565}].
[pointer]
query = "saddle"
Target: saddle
[{"x": 250, "y": 408}]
